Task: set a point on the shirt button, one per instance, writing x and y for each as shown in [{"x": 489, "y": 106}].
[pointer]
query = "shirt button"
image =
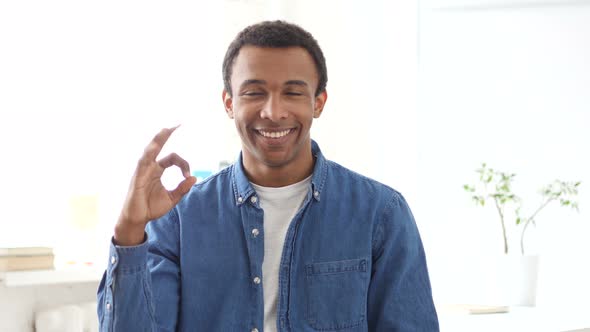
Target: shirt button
[
  {"x": 240, "y": 199},
  {"x": 108, "y": 306},
  {"x": 254, "y": 330},
  {"x": 255, "y": 232},
  {"x": 113, "y": 260},
  {"x": 257, "y": 280},
  {"x": 316, "y": 194},
  {"x": 253, "y": 199}
]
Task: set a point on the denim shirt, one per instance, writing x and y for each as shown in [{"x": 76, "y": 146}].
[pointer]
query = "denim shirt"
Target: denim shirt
[{"x": 352, "y": 260}]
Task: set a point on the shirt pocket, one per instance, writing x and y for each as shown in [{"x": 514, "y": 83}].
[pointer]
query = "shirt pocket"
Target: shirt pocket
[{"x": 336, "y": 294}]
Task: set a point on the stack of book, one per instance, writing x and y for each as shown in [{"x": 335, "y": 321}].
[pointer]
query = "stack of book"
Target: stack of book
[{"x": 26, "y": 258}]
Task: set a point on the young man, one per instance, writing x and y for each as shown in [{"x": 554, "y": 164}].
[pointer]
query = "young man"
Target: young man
[{"x": 283, "y": 240}]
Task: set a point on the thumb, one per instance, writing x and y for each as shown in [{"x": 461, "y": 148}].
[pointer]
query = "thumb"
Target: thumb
[{"x": 182, "y": 188}]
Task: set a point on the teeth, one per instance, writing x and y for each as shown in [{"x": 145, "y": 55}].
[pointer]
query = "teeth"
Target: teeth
[{"x": 274, "y": 134}]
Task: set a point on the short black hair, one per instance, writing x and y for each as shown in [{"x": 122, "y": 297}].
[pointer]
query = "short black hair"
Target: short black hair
[{"x": 276, "y": 34}]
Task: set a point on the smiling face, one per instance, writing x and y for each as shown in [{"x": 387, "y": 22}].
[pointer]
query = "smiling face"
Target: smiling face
[{"x": 273, "y": 106}]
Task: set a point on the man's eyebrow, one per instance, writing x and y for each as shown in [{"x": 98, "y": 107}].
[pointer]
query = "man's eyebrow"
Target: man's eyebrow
[
  {"x": 255, "y": 81},
  {"x": 252, "y": 81},
  {"x": 296, "y": 82}
]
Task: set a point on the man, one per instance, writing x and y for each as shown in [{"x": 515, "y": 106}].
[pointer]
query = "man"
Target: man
[{"x": 283, "y": 240}]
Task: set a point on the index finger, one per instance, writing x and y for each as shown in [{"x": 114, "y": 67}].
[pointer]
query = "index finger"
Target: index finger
[{"x": 153, "y": 149}]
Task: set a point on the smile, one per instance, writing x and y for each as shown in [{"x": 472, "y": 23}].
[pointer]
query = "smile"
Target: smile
[{"x": 275, "y": 134}]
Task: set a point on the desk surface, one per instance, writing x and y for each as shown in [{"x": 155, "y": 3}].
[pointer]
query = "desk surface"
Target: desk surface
[
  {"x": 49, "y": 277},
  {"x": 517, "y": 319}
]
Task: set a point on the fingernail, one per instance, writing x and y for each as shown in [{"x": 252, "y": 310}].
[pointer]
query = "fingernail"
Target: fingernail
[{"x": 174, "y": 128}]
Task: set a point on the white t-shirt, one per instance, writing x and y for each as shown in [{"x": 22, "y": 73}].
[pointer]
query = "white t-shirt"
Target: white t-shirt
[{"x": 280, "y": 206}]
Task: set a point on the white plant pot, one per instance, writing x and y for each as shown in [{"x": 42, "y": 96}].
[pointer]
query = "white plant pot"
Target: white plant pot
[{"x": 511, "y": 280}]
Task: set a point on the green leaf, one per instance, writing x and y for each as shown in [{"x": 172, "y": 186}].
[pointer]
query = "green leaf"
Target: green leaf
[{"x": 468, "y": 188}]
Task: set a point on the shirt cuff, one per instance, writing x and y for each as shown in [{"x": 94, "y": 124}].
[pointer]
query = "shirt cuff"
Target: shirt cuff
[{"x": 128, "y": 258}]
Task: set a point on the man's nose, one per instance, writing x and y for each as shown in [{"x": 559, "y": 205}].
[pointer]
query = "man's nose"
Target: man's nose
[{"x": 273, "y": 110}]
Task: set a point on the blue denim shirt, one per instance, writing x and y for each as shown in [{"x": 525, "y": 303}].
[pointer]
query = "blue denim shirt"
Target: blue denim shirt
[{"x": 352, "y": 261}]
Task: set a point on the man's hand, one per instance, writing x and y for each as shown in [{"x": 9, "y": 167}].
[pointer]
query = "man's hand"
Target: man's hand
[{"x": 147, "y": 198}]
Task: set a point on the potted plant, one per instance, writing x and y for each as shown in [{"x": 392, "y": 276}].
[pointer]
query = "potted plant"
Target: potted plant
[{"x": 495, "y": 187}]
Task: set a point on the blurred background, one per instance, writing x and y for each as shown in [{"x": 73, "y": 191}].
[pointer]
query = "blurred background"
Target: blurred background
[{"x": 420, "y": 95}]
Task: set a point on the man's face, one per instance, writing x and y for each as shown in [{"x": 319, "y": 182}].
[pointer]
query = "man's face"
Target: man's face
[{"x": 274, "y": 103}]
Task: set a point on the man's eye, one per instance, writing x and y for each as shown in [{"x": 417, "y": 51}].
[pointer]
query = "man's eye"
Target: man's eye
[
  {"x": 252, "y": 93},
  {"x": 294, "y": 94}
]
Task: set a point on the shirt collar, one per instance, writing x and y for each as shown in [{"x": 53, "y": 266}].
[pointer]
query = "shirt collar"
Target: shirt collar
[
  {"x": 243, "y": 190},
  {"x": 320, "y": 171}
]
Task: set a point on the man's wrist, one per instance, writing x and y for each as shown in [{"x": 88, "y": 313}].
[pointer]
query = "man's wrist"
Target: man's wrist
[{"x": 129, "y": 235}]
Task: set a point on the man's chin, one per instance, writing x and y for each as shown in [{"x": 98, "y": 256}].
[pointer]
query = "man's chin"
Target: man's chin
[{"x": 275, "y": 162}]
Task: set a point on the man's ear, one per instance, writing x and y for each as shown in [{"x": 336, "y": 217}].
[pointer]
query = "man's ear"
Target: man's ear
[
  {"x": 320, "y": 101},
  {"x": 228, "y": 103}
]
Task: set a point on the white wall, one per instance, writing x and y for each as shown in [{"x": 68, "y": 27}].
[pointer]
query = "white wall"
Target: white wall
[
  {"x": 83, "y": 87},
  {"x": 509, "y": 86}
]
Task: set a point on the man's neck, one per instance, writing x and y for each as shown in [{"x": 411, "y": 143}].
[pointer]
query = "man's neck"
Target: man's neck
[{"x": 269, "y": 176}]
